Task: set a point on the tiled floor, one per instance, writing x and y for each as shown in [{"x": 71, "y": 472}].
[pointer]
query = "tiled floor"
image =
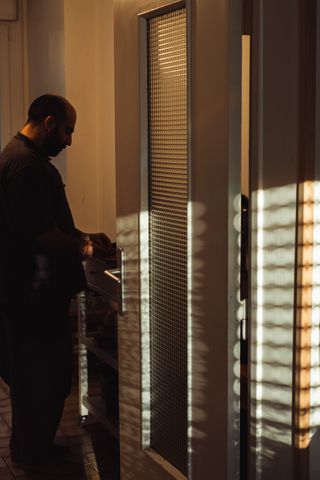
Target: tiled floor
[{"x": 91, "y": 445}]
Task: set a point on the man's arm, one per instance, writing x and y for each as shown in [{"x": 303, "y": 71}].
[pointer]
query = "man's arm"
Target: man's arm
[
  {"x": 95, "y": 244},
  {"x": 55, "y": 240}
]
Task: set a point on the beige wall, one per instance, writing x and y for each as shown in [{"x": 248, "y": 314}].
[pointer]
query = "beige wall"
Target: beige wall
[
  {"x": 90, "y": 87},
  {"x": 12, "y": 77},
  {"x": 44, "y": 43},
  {"x": 70, "y": 52},
  {"x": 45, "y": 31}
]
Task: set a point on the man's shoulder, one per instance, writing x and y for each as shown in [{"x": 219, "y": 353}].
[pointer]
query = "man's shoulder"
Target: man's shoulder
[
  {"x": 16, "y": 155},
  {"x": 17, "y": 149}
]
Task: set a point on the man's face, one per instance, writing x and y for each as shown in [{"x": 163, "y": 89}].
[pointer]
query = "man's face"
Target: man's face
[{"x": 61, "y": 136}]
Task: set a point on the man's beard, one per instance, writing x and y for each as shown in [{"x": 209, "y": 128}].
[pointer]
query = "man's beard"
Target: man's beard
[{"x": 52, "y": 146}]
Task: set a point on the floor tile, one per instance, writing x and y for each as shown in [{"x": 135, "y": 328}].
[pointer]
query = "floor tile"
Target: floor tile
[
  {"x": 16, "y": 471},
  {"x": 79, "y": 445},
  {"x": 70, "y": 427},
  {"x": 91, "y": 473},
  {"x": 4, "y": 389},
  {"x": 5, "y": 407},
  {"x": 91, "y": 459},
  {"x": 3, "y": 394},
  {"x": 5, "y": 474},
  {"x": 4, "y": 429},
  {"x": 7, "y": 418},
  {"x": 4, "y": 442},
  {"x": 4, "y": 452},
  {"x": 90, "y": 444}
]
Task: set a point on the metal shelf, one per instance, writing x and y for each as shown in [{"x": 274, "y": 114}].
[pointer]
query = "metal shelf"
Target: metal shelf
[
  {"x": 99, "y": 352},
  {"x": 98, "y": 281},
  {"x": 96, "y": 406}
]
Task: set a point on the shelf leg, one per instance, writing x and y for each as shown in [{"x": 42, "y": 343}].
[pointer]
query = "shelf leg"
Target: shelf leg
[{"x": 83, "y": 360}]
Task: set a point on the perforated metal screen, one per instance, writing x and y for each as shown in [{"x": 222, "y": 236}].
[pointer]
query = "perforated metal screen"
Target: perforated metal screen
[{"x": 168, "y": 192}]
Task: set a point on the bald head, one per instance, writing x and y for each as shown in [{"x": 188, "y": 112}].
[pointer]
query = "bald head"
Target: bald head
[
  {"x": 47, "y": 105},
  {"x": 50, "y": 124}
]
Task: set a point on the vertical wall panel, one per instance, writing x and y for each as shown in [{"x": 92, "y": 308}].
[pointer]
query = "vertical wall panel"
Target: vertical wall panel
[{"x": 284, "y": 333}]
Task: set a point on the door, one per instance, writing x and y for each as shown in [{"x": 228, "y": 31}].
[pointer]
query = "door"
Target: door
[{"x": 178, "y": 96}]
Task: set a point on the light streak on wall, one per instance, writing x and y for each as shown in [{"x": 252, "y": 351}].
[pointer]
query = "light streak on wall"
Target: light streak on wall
[
  {"x": 260, "y": 292},
  {"x": 145, "y": 327},
  {"x": 272, "y": 312},
  {"x": 304, "y": 316},
  {"x": 285, "y": 371},
  {"x": 307, "y": 411},
  {"x": 315, "y": 318}
]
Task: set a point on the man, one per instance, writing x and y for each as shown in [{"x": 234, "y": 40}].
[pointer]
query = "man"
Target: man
[{"x": 41, "y": 255}]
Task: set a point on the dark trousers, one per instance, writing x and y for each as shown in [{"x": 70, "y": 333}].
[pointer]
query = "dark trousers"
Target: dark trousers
[{"x": 37, "y": 365}]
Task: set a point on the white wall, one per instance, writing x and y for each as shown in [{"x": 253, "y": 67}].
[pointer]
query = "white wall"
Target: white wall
[{"x": 70, "y": 52}]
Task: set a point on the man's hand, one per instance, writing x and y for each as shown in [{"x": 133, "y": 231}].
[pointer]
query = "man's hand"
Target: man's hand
[{"x": 101, "y": 244}]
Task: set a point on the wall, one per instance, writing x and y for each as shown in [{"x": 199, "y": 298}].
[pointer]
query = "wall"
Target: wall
[
  {"x": 12, "y": 77},
  {"x": 45, "y": 54},
  {"x": 284, "y": 219},
  {"x": 90, "y": 86},
  {"x": 70, "y": 52},
  {"x": 45, "y": 47}
]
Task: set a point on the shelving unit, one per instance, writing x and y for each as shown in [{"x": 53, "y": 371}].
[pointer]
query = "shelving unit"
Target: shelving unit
[
  {"x": 93, "y": 403},
  {"x": 96, "y": 406},
  {"x": 104, "y": 356}
]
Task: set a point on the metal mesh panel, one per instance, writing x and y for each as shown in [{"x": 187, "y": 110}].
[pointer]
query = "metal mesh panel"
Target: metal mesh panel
[{"x": 168, "y": 183}]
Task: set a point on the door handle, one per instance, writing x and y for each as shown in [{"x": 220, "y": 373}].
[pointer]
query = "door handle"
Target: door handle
[
  {"x": 117, "y": 275},
  {"x": 114, "y": 274}
]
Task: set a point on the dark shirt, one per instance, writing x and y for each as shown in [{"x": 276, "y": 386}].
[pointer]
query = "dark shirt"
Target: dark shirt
[{"x": 33, "y": 201}]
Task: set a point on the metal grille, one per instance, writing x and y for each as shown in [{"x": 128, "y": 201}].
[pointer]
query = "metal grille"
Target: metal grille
[{"x": 168, "y": 192}]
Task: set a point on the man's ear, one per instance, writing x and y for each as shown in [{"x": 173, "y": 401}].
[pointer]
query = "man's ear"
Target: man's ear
[{"x": 50, "y": 123}]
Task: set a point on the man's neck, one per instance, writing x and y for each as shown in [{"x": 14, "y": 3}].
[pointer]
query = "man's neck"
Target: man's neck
[{"x": 33, "y": 132}]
